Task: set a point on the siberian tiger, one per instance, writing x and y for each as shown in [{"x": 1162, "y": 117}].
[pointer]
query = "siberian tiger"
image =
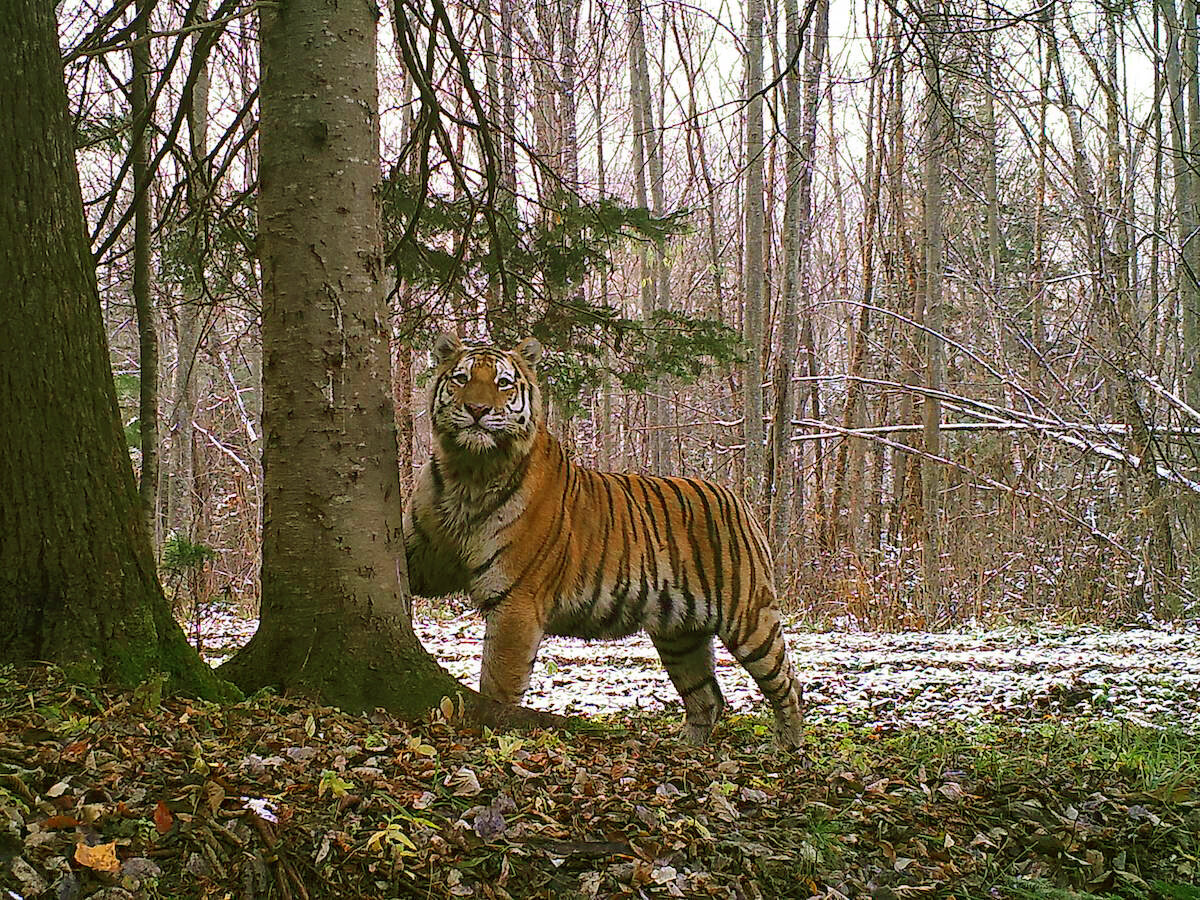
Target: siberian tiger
[{"x": 545, "y": 546}]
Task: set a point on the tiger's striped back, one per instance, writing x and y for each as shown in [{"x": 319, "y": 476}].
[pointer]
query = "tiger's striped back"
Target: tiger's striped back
[{"x": 545, "y": 546}]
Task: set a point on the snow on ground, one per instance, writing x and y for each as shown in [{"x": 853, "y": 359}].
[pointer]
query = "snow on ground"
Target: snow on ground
[{"x": 1142, "y": 676}]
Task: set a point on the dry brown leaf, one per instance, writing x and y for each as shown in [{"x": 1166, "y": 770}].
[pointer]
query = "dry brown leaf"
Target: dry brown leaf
[
  {"x": 101, "y": 857},
  {"x": 214, "y": 796},
  {"x": 163, "y": 820}
]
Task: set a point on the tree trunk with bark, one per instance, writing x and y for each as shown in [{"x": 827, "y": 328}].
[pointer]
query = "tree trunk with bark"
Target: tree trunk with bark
[
  {"x": 78, "y": 584},
  {"x": 753, "y": 277},
  {"x": 802, "y": 131},
  {"x": 335, "y": 611},
  {"x": 142, "y": 300},
  {"x": 647, "y": 158},
  {"x": 183, "y": 510},
  {"x": 936, "y": 123}
]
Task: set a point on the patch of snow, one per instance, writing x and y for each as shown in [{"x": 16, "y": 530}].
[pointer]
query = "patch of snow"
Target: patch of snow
[{"x": 874, "y": 679}]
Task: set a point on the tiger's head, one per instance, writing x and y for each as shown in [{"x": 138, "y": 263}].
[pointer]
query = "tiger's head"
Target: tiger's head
[{"x": 484, "y": 399}]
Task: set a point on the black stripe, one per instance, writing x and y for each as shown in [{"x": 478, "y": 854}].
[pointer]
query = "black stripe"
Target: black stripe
[
  {"x": 697, "y": 561},
  {"x": 645, "y": 592},
  {"x": 483, "y": 567},
  {"x": 762, "y": 649},
  {"x": 710, "y": 680},
  {"x": 488, "y": 604},
  {"x": 671, "y": 653},
  {"x": 652, "y": 539},
  {"x": 665, "y": 606},
  {"x": 770, "y": 676},
  {"x": 655, "y": 484},
  {"x": 510, "y": 488},
  {"x": 718, "y": 562}
]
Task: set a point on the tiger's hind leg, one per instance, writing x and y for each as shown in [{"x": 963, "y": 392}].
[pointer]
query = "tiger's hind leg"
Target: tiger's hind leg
[
  {"x": 757, "y": 643},
  {"x": 688, "y": 659}
]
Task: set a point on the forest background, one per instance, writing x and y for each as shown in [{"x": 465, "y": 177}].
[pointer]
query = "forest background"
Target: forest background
[{"x": 919, "y": 278}]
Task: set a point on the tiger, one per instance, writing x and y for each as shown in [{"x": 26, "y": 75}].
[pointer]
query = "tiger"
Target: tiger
[{"x": 544, "y": 546}]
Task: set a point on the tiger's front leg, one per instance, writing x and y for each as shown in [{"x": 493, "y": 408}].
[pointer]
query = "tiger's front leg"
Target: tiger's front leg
[{"x": 510, "y": 645}]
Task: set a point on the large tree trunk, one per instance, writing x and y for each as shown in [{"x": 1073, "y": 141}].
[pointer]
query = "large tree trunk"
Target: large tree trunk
[
  {"x": 77, "y": 579},
  {"x": 335, "y": 615}
]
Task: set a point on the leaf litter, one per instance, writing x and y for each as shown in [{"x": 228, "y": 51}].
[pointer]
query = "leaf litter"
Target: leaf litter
[{"x": 998, "y": 764}]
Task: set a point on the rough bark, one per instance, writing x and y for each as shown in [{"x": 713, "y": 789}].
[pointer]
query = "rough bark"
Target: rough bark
[
  {"x": 335, "y": 617},
  {"x": 77, "y": 579}
]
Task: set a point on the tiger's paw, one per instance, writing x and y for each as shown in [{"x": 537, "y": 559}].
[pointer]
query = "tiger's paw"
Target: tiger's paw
[
  {"x": 789, "y": 736},
  {"x": 696, "y": 734}
]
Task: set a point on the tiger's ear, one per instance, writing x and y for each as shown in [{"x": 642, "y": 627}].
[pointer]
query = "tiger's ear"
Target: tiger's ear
[
  {"x": 444, "y": 347},
  {"x": 530, "y": 350}
]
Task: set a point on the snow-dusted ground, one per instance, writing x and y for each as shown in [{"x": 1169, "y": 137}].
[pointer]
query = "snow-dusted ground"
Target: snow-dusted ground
[{"x": 1145, "y": 676}]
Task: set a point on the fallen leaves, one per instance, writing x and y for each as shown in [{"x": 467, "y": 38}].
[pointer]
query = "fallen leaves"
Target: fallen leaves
[
  {"x": 163, "y": 820},
  {"x": 300, "y": 801},
  {"x": 101, "y": 857}
]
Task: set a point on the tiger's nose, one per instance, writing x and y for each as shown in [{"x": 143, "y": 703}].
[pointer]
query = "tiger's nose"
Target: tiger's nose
[{"x": 478, "y": 410}]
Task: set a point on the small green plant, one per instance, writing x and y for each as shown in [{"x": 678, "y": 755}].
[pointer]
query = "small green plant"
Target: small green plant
[
  {"x": 333, "y": 783},
  {"x": 184, "y": 562},
  {"x": 1175, "y": 891},
  {"x": 1040, "y": 889}
]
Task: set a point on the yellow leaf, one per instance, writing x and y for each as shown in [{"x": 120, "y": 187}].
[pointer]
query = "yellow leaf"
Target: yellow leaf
[{"x": 102, "y": 857}]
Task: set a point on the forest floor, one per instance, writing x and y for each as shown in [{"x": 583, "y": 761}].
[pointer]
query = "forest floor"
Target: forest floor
[{"x": 1032, "y": 763}]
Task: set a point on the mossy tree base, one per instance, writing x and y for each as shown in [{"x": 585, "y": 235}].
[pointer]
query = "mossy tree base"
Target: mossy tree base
[
  {"x": 357, "y": 663},
  {"x": 361, "y": 663}
]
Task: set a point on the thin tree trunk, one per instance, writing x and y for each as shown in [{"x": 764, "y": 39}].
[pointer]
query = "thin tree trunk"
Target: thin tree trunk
[
  {"x": 802, "y": 140},
  {"x": 142, "y": 300},
  {"x": 1152, "y": 312},
  {"x": 606, "y": 437},
  {"x": 840, "y": 523},
  {"x": 752, "y": 279},
  {"x": 1179, "y": 82},
  {"x": 1190, "y": 298},
  {"x": 184, "y": 512},
  {"x": 936, "y": 123},
  {"x": 508, "y": 85}
]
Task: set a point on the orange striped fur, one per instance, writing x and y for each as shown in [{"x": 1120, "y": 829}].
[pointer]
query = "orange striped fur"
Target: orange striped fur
[{"x": 545, "y": 546}]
